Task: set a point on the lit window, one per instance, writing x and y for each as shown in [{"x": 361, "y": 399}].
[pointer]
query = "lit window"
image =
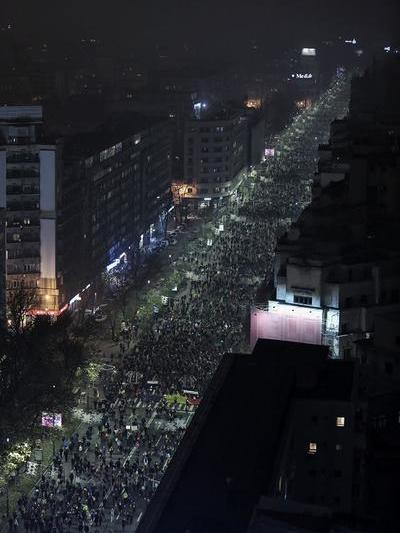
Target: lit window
[
  {"x": 312, "y": 448},
  {"x": 340, "y": 420}
]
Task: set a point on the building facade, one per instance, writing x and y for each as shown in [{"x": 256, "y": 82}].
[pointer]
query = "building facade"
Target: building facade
[
  {"x": 116, "y": 197},
  {"x": 215, "y": 155},
  {"x": 28, "y": 176},
  {"x": 338, "y": 266}
]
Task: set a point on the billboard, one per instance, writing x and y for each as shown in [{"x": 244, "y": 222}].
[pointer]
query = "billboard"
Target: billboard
[
  {"x": 309, "y": 52},
  {"x": 52, "y": 420}
]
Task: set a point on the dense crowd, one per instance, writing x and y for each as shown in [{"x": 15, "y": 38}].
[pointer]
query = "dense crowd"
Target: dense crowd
[{"x": 102, "y": 480}]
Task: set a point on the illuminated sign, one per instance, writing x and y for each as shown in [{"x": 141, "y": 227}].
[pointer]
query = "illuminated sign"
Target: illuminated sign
[
  {"x": 52, "y": 420},
  {"x": 309, "y": 52},
  {"x": 351, "y": 41},
  {"x": 300, "y": 76}
]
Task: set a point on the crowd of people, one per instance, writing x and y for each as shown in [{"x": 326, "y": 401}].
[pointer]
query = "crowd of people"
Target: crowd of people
[{"x": 102, "y": 480}]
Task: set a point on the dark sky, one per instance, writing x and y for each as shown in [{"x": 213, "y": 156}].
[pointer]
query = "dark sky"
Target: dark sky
[{"x": 220, "y": 25}]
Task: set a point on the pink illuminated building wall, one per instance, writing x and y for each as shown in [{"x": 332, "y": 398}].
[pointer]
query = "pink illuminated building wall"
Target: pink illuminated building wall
[{"x": 296, "y": 324}]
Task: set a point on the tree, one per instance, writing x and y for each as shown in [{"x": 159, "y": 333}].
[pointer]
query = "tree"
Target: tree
[
  {"x": 37, "y": 371},
  {"x": 20, "y": 302}
]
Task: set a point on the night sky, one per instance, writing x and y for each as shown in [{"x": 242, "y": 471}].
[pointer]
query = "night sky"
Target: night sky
[{"x": 218, "y": 26}]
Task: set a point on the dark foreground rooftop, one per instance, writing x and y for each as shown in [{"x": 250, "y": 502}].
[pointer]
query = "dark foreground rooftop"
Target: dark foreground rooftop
[{"x": 226, "y": 459}]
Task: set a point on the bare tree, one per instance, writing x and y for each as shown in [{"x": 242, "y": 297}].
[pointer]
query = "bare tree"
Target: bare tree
[{"x": 20, "y": 302}]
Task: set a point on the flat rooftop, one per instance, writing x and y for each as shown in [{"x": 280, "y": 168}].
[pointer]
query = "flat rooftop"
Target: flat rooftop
[
  {"x": 85, "y": 144},
  {"x": 226, "y": 458}
]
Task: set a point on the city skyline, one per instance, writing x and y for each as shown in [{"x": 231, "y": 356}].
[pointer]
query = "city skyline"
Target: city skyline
[{"x": 214, "y": 29}]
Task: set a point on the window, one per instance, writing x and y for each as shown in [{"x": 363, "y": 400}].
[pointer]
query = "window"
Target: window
[
  {"x": 339, "y": 447},
  {"x": 312, "y": 448},
  {"x": 306, "y": 300},
  {"x": 340, "y": 421},
  {"x": 204, "y": 139}
]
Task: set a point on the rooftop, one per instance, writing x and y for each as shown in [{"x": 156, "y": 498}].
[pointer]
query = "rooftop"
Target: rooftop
[
  {"x": 111, "y": 132},
  {"x": 226, "y": 458}
]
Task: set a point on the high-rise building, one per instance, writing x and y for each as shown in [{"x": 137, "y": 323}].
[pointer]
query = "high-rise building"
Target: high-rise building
[
  {"x": 215, "y": 155},
  {"x": 28, "y": 175},
  {"x": 116, "y": 196}
]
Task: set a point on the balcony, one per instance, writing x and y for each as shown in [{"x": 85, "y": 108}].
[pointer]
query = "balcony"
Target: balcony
[
  {"x": 17, "y": 255},
  {"x": 23, "y": 206},
  {"x": 23, "y": 238},
  {"x": 23, "y": 222},
  {"x": 20, "y": 157},
  {"x": 17, "y": 270},
  {"x": 22, "y": 190},
  {"x": 22, "y": 173}
]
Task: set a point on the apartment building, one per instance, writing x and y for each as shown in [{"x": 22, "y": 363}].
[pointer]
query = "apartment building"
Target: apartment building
[
  {"x": 116, "y": 186},
  {"x": 29, "y": 166},
  {"x": 215, "y": 154}
]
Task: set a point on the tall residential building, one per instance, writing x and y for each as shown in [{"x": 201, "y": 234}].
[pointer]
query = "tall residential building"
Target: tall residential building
[
  {"x": 28, "y": 172},
  {"x": 215, "y": 155},
  {"x": 116, "y": 196}
]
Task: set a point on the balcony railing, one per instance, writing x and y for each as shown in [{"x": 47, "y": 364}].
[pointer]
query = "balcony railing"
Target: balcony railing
[
  {"x": 22, "y": 173},
  {"x": 19, "y": 157},
  {"x": 23, "y": 206},
  {"x": 23, "y": 238},
  {"x": 21, "y": 223},
  {"x": 23, "y": 190},
  {"x": 23, "y": 254}
]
